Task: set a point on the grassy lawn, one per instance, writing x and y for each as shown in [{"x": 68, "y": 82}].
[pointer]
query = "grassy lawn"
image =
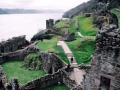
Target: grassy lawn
[
  {"x": 85, "y": 26},
  {"x": 57, "y": 87},
  {"x": 63, "y": 24},
  {"x": 72, "y": 26},
  {"x": 13, "y": 69},
  {"x": 81, "y": 49},
  {"x": 51, "y": 46}
]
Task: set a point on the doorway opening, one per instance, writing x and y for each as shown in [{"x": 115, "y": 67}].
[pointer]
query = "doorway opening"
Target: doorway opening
[{"x": 104, "y": 83}]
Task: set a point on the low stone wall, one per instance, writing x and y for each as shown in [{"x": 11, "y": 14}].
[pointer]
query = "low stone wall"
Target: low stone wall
[
  {"x": 68, "y": 82},
  {"x": 51, "y": 79},
  {"x": 43, "y": 82},
  {"x": 13, "y": 56},
  {"x": 18, "y": 55}
]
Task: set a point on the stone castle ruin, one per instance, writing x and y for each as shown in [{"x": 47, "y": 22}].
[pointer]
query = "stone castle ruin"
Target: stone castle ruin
[
  {"x": 103, "y": 73},
  {"x": 13, "y": 44},
  {"x": 49, "y": 23},
  {"x": 105, "y": 65}
]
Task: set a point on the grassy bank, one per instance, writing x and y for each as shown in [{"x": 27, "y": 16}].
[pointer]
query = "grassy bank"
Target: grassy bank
[
  {"x": 57, "y": 87},
  {"x": 13, "y": 69},
  {"x": 84, "y": 25},
  {"x": 51, "y": 46},
  {"x": 82, "y": 49}
]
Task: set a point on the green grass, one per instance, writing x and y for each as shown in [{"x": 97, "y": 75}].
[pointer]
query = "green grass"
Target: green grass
[
  {"x": 85, "y": 26},
  {"x": 57, "y": 87},
  {"x": 63, "y": 24},
  {"x": 51, "y": 46},
  {"x": 33, "y": 55},
  {"x": 72, "y": 26},
  {"x": 117, "y": 12},
  {"x": 13, "y": 69},
  {"x": 82, "y": 50}
]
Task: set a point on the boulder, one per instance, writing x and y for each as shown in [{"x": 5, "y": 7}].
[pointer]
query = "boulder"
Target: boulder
[
  {"x": 44, "y": 34},
  {"x": 68, "y": 36}
]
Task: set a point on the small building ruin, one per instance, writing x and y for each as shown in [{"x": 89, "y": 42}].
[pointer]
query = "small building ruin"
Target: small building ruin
[
  {"x": 13, "y": 44},
  {"x": 49, "y": 23}
]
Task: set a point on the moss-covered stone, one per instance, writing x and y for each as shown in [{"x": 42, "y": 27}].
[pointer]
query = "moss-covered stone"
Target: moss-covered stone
[{"x": 32, "y": 62}]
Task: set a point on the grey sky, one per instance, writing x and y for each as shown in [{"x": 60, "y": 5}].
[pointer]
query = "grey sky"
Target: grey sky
[{"x": 41, "y": 4}]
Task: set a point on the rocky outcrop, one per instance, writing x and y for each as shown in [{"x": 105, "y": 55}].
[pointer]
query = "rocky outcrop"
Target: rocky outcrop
[
  {"x": 13, "y": 44},
  {"x": 44, "y": 34},
  {"x": 105, "y": 64},
  {"x": 51, "y": 63},
  {"x": 67, "y": 36},
  {"x": 92, "y": 6}
]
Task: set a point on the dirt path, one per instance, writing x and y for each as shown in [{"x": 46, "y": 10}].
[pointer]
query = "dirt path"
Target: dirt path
[{"x": 76, "y": 74}]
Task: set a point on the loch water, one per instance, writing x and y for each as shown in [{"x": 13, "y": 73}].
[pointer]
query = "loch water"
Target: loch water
[{"x": 12, "y": 25}]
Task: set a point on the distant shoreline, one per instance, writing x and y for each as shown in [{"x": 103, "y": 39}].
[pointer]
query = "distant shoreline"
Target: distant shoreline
[{"x": 28, "y": 11}]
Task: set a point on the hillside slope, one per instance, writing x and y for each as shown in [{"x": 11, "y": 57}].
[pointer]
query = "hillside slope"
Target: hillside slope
[{"x": 90, "y": 6}]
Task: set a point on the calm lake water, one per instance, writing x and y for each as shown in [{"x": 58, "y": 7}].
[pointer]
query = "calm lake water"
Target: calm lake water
[{"x": 24, "y": 24}]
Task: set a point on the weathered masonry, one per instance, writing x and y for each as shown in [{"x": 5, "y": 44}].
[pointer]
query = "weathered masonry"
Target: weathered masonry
[
  {"x": 105, "y": 65},
  {"x": 13, "y": 44}
]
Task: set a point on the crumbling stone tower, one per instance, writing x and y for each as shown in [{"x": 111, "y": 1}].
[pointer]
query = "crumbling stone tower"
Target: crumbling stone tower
[
  {"x": 105, "y": 65},
  {"x": 49, "y": 23}
]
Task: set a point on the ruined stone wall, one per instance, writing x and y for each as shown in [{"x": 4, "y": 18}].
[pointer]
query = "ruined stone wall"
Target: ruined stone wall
[
  {"x": 105, "y": 61},
  {"x": 43, "y": 82},
  {"x": 68, "y": 82},
  {"x": 13, "y": 44},
  {"x": 13, "y": 56},
  {"x": 18, "y": 55},
  {"x": 49, "y": 23},
  {"x": 51, "y": 62},
  {"x": 3, "y": 79},
  {"x": 51, "y": 79}
]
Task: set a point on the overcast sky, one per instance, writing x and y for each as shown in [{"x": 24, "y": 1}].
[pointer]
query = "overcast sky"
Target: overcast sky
[{"x": 41, "y": 4}]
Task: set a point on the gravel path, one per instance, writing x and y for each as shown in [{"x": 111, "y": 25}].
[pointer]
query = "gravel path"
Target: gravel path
[{"x": 77, "y": 74}]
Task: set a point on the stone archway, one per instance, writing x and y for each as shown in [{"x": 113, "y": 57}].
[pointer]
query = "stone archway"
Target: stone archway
[
  {"x": 2, "y": 49},
  {"x": 104, "y": 83},
  {"x": 1, "y": 84},
  {"x": 19, "y": 46}
]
